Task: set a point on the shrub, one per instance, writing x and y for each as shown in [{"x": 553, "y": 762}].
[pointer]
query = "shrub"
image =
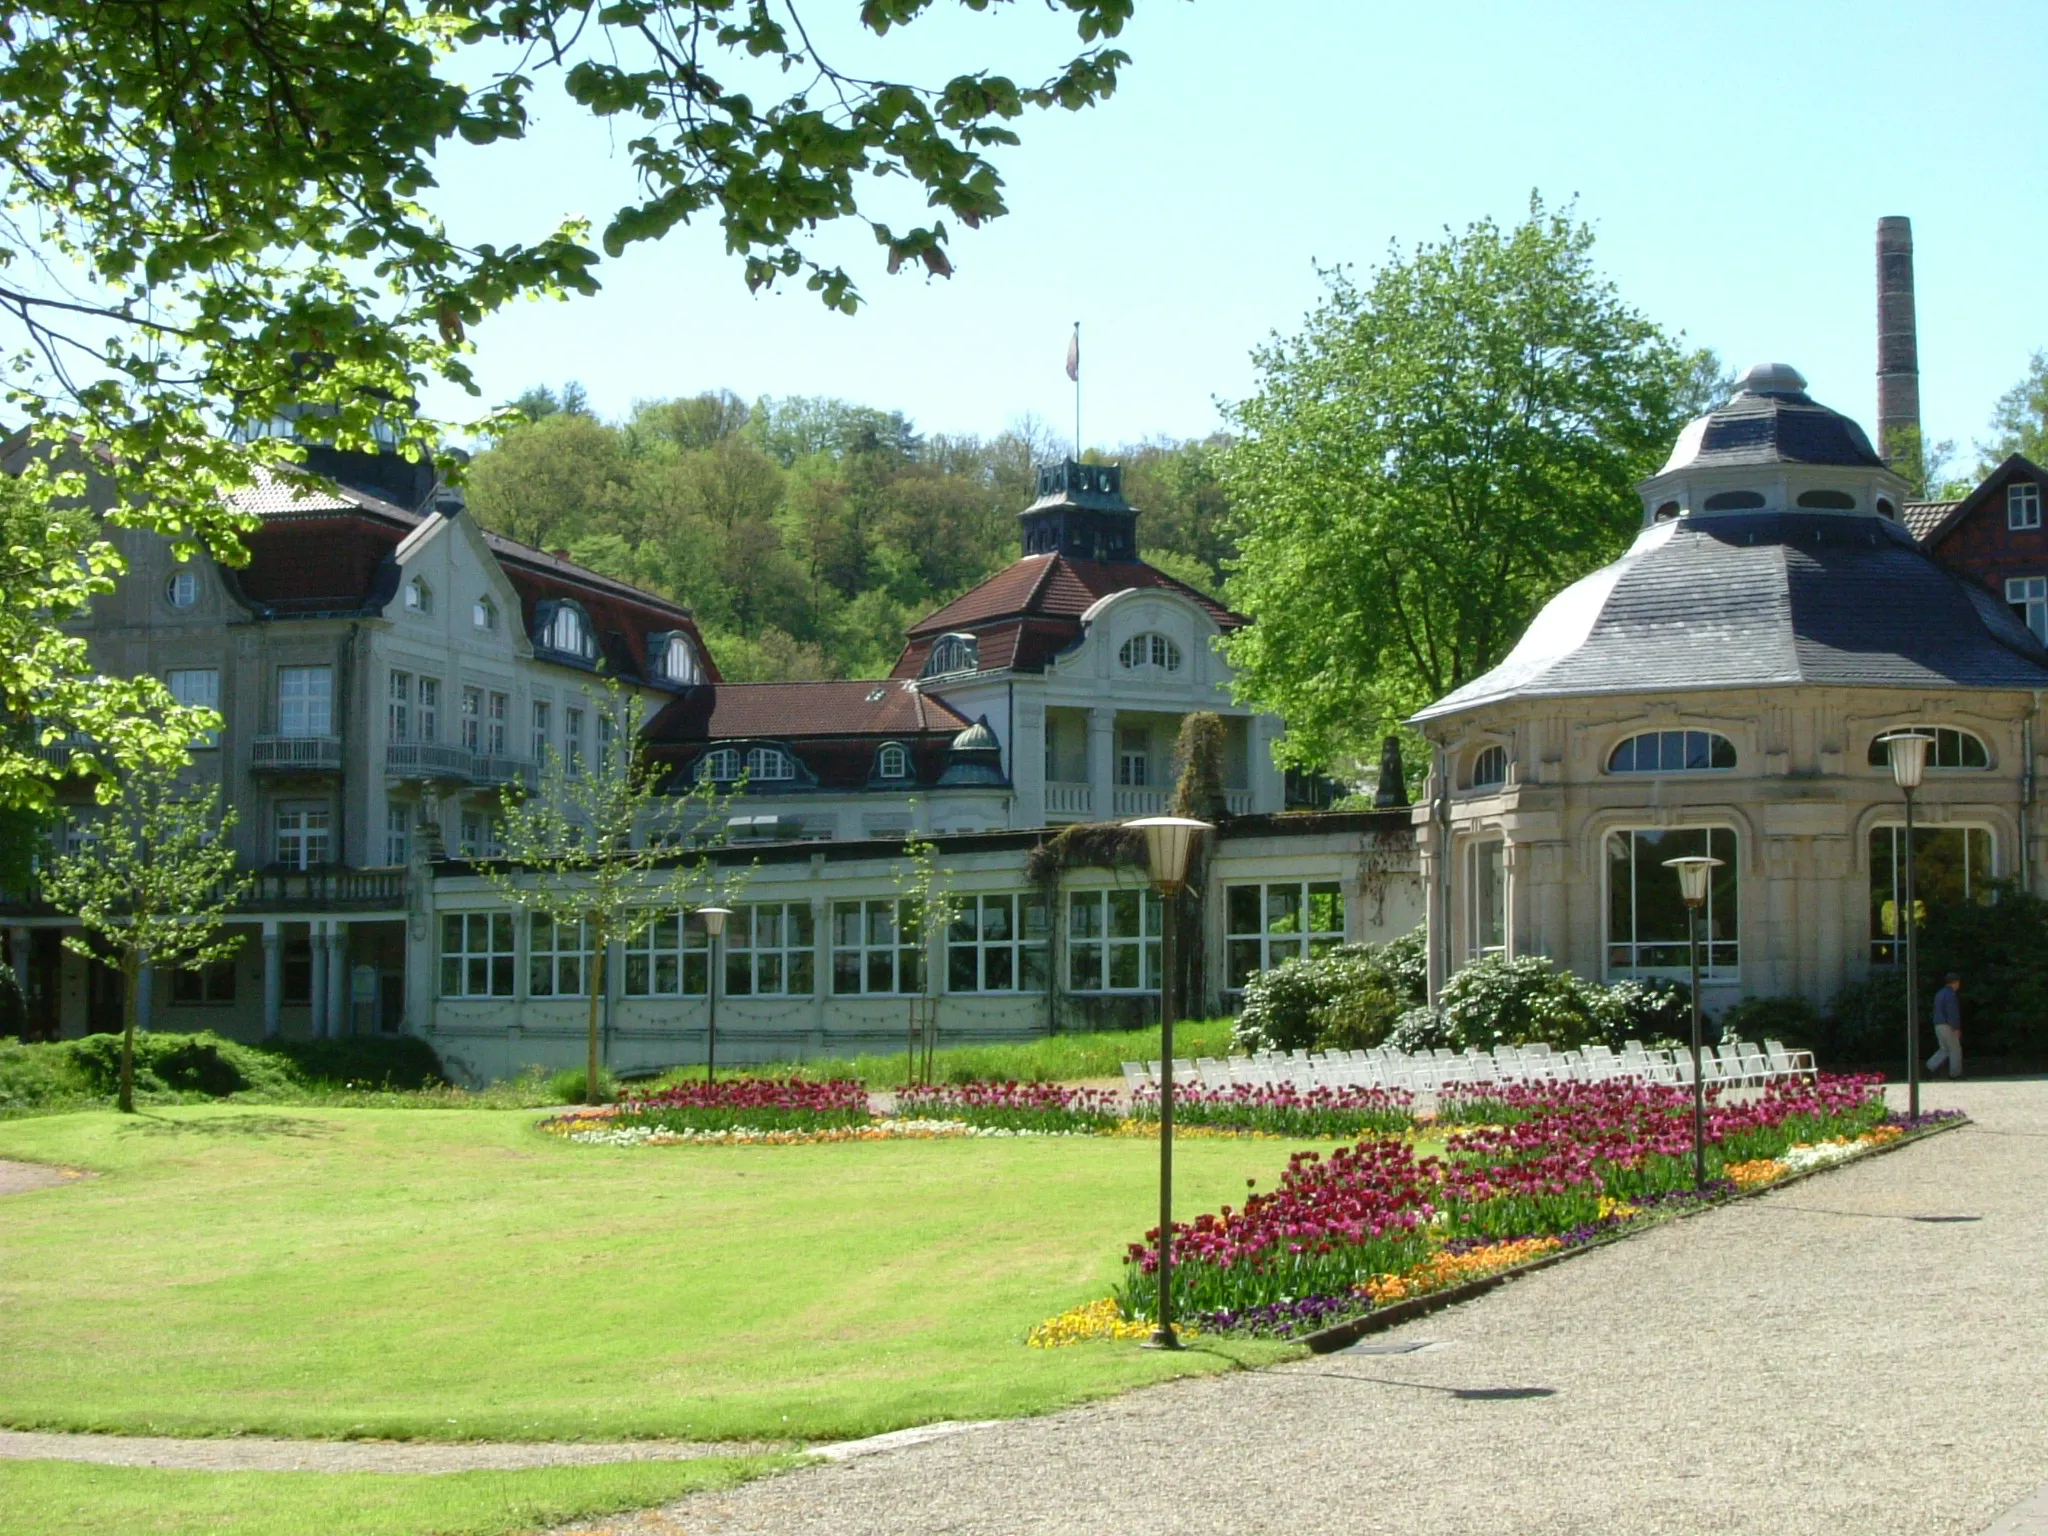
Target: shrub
[
  {"x": 1361, "y": 1008},
  {"x": 1793, "y": 1020},
  {"x": 1343, "y": 1000},
  {"x": 1497, "y": 1001},
  {"x": 566, "y": 1086},
  {"x": 1867, "y": 1021},
  {"x": 1644, "y": 1010},
  {"x": 203, "y": 1063},
  {"x": 1406, "y": 963},
  {"x": 404, "y": 1063},
  {"x": 1421, "y": 1029},
  {"x": 1280, "y": 1006}
]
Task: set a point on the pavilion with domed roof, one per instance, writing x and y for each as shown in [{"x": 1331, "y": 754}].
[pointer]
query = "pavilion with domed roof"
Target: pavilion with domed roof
[{"x": 1720, "y": 689}]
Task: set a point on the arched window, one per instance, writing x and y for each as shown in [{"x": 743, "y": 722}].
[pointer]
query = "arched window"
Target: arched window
[
  {"x": 1150, "y": 651},
  {"x": 1668, "y": 510},
  {"x": 1490, "y": 767},
  {"x": 1885, "y": 507},
  {"x": 769, "y": 764},
  {"x": 419, "y": 597},
  {"x": 1733, "y": 501},
  {"x": 568, "y": 631},
  {"x": 675, "y": 659},
  {"x": 484, "y": 614},
  {"x": 1952, "y": 748},
  {"x": 953, "y": 653},
  {"x": 721, "y": 766},
  {"x": 1831, "y": 501},
  {"x": 892, "y": 762},
  {"x": 182, "y": 589},
  {"x": 1672, "y": 752}
]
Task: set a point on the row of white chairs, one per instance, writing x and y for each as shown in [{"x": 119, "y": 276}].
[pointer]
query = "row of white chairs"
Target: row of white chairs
[{"x": 1735, "y": 1064}]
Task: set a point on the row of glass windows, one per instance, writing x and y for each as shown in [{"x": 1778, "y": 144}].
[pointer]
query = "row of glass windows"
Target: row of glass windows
[
  {"x": 1708, "y": 751},
  {"x": 996, "y": 943},
  {"x": 1647, "y": 922}
]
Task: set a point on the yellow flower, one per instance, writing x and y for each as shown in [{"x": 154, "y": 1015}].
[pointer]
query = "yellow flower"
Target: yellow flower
[{"x": 1094, "y": 1320}]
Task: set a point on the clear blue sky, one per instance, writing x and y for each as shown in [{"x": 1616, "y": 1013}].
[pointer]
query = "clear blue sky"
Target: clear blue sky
[{"x": 1734, "y": 158}]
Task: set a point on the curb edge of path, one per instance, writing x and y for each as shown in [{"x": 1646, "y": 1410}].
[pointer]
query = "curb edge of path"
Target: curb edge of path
[{"x": 1343, "y": 1335}]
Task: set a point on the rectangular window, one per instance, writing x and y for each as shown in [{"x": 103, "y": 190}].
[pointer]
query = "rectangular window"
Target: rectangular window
[
  {"x": 476, "y": 954},
  {"x": 557, "y": 957},
  {"x": 875, "y": 949},
  {"x": 998, "y": 944},
  {"x": 297, "y": 971},
  {"x": 1267, "y": 925},
  {"x": 209, "y": 984},
  {"x": 305, "y": 701},
  {"x": 572, "y": 741},
  {"x": 771, "y": 950},
  {"x": 541, "y": 711},
  {"x": 1133, "y": 758},
  {"x": 667, "y": 958},
  {"x": 472, "y": 718},
  {"x": 606, "y": 730},
  {"x": 1951, "y": 865},
  {"x": 2029, "y": 598},
  {"x": 397, "y": 832},
  {"x": 1113, "y": 940},
  {"x": 1646, "y": 916},
  {"x": 1486, "y": 888},
  {"x": 2022, "y": 505},
  {"x": 302, "y": 829},
  {"x": 430, "y": 709},
  {"x": 398, "y": 709},
  {"x": 495, "y": 738},
  {"x": 197, "y": 688},
  {"x": 480, "y": 835}
]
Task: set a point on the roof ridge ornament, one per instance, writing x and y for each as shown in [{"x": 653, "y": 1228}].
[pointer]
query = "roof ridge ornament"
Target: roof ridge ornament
[{"x": 1771, "y": 379}]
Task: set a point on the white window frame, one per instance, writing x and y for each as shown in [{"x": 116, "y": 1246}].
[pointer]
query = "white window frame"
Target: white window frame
[
  {"x": 197, "y": 688},
  {"x": 771, "y": 950},
  {"x": 181, "y": 591},
  {"x": 1486, "y": 908},
  {"x": 480, "y": 835},
  {"x": 769, "y": 765},
  {"x": 1150, "y": 649},
  {"x": 2028, "y": 597},
  {"x": 557, "y": 957},
  {"x": 892, "y": 762},
  {"x": 1096, "y": 953},
  {"x": 1884, "y": 948},
  {"x": 876, "y": 951},
  {"x": 398, "y": 705},
  {"x": 479, "y": 954},
  {"x": 1720, "y": 959},
  {"x": 1253, "y": 943},
  {"x": 419, "y": 597},
  {"x": 1662, "y": 738},
  {"x": 2022, "y": 506},
  {"x": 472, "y": 718},
  {"x": 999, "y": 943},
  {"x": 569, "y": 632},
  {"x": 303, "y": 832},
  {"x": 721, "y": 765},
  {"x": 670, "y": 957},
  {"x": 572, "y": 740},
  {"x": 1944, "y": 736},
  {"x": 398, "y": 815},
  {"x": 678, "y": 662},
  {"x": 483, "y": 614},
  {"x": 304, "y": 709},
  {"x": 953, "y": 653},
  {"x": 497, "y": 724},
  {"x": 543, "y": 713},
  {"x": 430, "y": 709}
]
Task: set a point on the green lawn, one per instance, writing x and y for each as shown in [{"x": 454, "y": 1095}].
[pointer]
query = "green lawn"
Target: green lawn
[
  {"x": 456, "y": 1274},
  {"x": 63, "y": 1498}
]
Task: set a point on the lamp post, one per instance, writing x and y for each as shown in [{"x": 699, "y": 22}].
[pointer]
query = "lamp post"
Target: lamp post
[
  {"x": 1693, "y": 874},
  {"x": 714, "y": 929},
  {"x": 1168, "y": 842},
  {"x": 1908, "y": 751}
]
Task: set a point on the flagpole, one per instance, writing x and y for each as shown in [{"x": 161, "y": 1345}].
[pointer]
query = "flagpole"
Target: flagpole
[{"x": 1077, "y": 391}]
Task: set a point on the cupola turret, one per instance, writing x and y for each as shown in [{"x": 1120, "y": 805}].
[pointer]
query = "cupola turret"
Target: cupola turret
[{"x": 1081, "y": 513}]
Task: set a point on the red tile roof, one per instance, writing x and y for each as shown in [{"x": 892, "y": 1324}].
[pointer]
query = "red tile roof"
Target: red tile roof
[{"x": 803, "y": 711}]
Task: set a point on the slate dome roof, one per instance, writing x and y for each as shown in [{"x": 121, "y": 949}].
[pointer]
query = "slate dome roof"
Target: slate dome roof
[
  {"x": 1770, "y": 419},
  {"x": 1763, "y": 599}
]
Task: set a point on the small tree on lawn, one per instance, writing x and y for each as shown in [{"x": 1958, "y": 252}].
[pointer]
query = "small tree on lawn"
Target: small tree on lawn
[
  {"x": 596, "y": 848},
  {"x": 152, "y": 879},
  {"x": 932, "y": 907}
]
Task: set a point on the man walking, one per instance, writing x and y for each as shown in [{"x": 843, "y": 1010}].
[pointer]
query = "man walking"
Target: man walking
[{"x": 1948, "y": 1026}]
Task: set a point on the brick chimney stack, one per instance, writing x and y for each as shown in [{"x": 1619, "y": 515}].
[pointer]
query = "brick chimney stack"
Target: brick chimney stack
[{"x": 1898, "y": 345}]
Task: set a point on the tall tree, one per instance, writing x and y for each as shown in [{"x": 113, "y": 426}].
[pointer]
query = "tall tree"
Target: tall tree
[
  {"x": 217, "y": 213},
  {"x": 1429, "y": 459},
  {"x": 151, "y": 879},
  {"x": 597, "y": 855},
  {"x": 2019, "y": 422}
]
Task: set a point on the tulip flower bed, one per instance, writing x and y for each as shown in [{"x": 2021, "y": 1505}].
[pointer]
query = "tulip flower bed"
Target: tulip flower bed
[
  {"x": 747, "y": 1103},
  {"x": 1558, "y": 1161},
  {"x": 1284, "y": 1110},
  {"x": 1045, "y": 1108}
]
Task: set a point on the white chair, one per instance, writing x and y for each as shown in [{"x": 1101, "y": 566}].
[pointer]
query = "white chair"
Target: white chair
[
  {"x": 1789, "y": 1063},
  {"x": 1137, "y": 1079}
]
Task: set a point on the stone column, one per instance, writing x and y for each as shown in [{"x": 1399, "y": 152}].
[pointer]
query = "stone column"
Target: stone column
[
  {"x": 273, "y": 979},
  {"x": 317, "y": 993},
  {"x": 1102, "y": 764},
  {"x": 339, "y": 1008},
  {"x": 1027, "y": 766}
]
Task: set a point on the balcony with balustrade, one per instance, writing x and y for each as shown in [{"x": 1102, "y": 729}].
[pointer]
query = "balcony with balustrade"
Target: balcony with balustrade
[
  {"x": 426, "y": 762},
  {"x": 286, "y": 756}
]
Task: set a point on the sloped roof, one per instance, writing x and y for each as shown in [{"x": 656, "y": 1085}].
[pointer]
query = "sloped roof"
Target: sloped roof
[
  {"x": 866, "y": 707},
  {"x": 1923, "y": 517},
  {"x": 1054, "y": 586},
  {"x": 1771, "y": 420},
  {"x": 2013, "y": 464},
  {"x": 1763, "y": 600}
]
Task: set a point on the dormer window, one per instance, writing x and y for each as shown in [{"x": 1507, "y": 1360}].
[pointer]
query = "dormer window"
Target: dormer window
[
  {"x": 567, "y": 630},
  {"x": 1733, "y": 501},
  {"x": 769, "y": 765},
  {"x": 1828, "y": 501},
  {"x": 1490, "y": 768},
  {"x": 419, "y": 597},
  {"x": 484, "y": 614},
  {"x": 674, "y": 659},
  {"x": 2022, "y": 506},
  {"x": 721, "y": 766},
  {"x": 953, "y": 653},
  {"x": 892, "y": 762},
  {"x": 1149, "y": 651}
]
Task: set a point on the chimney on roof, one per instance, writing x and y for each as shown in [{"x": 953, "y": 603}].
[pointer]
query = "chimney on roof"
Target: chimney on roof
[{"x": 1898, "y": 344}]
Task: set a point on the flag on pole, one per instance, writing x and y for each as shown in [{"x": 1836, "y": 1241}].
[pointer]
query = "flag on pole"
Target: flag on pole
[{"x": 1074, "y": 354}]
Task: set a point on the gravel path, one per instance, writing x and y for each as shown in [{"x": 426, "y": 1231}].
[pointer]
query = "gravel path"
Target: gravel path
[
  {"x": 1820, "y": 1361},
  {"x": 19, "y": 1178},
  {"x": 251, "y": 1454}
]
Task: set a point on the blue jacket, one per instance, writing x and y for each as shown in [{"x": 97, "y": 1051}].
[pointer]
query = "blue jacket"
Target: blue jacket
[{"x": 1948, "y": 1007}]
